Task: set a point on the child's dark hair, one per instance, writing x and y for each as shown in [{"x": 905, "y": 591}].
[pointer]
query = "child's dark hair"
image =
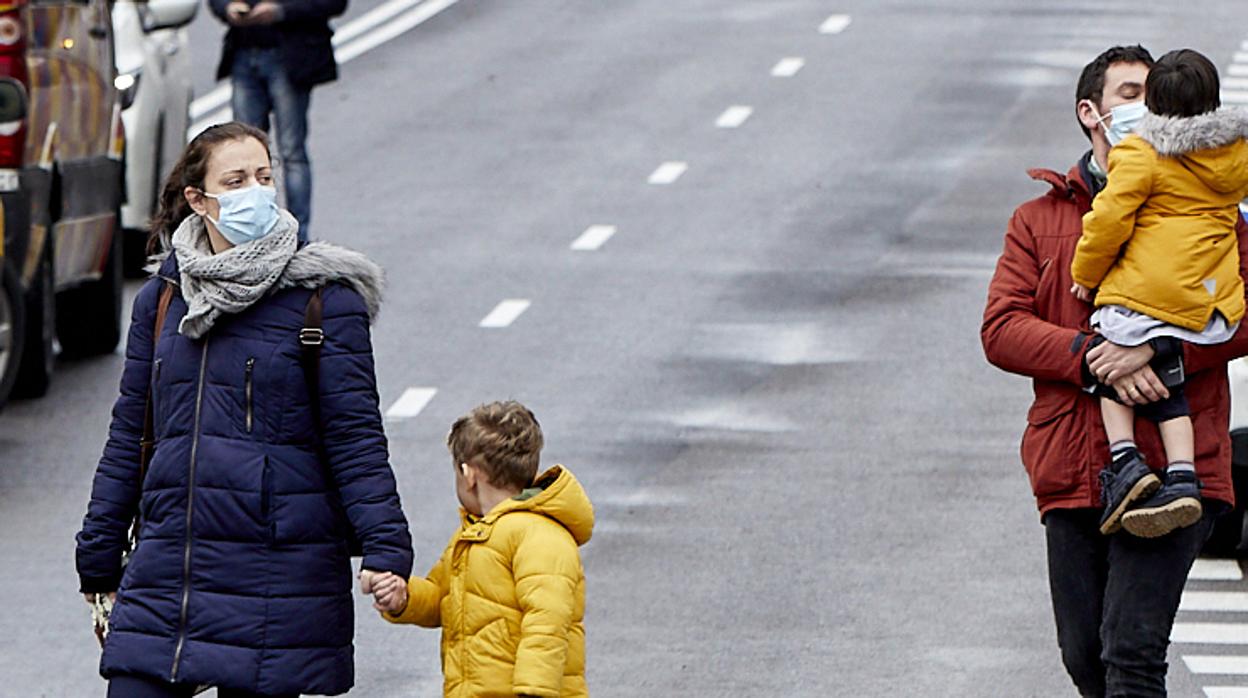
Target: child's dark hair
[
  {"x": 190, "y": 171},
  {"x": 1182, "y": 83}
]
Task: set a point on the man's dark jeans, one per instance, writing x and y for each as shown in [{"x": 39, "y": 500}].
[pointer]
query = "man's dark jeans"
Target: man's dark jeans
[
  {"x": 1115, "y": 598},
  {"x": 260, "y": 87}
]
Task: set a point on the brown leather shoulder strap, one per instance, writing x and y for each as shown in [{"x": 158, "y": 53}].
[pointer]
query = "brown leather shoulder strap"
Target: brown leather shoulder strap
[{"x": 147, "y": 444}]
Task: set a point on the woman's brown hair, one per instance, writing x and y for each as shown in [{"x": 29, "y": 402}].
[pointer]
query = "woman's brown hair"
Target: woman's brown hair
[{"x": 190, "y": 171}]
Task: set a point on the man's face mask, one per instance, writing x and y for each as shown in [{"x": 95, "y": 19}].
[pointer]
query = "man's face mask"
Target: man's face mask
[
  {"x": 1123, "y": 119},
  {"x": 246, "y": 214}
]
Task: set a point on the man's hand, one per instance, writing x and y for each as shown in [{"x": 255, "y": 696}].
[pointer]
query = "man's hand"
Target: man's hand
[
  {"x": 1109, "y": 362},
  {"x": 1083, "y": 293},
  {"x": 264, "y": 14},
  {"x": 1140, "y": 388},
  {"x": 236, "y": 13}
]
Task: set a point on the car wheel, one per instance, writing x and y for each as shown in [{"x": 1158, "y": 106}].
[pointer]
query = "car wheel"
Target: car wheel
[
  {"x": 12, "y": 329},
  {"x": 38, "y": 355},
  {"x": 88, "y": 317}
]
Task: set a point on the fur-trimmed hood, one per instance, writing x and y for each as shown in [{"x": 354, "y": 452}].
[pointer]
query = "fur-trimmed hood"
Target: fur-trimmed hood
[
  {"x": 1211, "y": 146},
  {"x": 313, "y": 266}
]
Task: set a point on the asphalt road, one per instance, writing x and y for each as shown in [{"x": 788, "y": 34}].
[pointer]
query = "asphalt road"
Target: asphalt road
[{"x": 769, "y": 379}]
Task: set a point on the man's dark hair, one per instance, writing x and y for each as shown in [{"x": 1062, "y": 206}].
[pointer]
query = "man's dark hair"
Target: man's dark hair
[
  {"x": 1182, "y": 83},
  {"x": 1092, "y": 80}
]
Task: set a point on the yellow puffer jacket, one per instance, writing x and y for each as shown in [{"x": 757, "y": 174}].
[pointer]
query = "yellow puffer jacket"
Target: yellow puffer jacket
[
  {"x": 509, "y": 594},
  {"x": 1160, "y": 238}
]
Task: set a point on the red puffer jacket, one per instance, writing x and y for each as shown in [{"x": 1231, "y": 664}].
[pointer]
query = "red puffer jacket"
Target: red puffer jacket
[{"x": 1035, "y": 327}]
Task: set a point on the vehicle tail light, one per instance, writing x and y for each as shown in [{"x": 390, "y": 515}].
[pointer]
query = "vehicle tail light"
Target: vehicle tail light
[{"x": 14, "y": 79}]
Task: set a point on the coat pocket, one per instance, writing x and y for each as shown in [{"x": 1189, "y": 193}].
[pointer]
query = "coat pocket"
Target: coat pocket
[
  {"x": 266, "y": 503},
  {"x": 1054, "y": 444}
]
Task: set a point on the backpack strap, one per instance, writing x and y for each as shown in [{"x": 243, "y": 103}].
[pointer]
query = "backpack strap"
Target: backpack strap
[
  {"x": 311, "y": 338},
  {"x": 147, "y": 444}
]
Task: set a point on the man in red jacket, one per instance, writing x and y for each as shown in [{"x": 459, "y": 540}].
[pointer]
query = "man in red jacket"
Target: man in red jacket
[{"x": 1114, "y": 597}]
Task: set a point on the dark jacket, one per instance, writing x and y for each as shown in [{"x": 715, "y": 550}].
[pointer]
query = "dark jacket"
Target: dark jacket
[
  {"x": 1035, "y": 327},
  {"x": 242, "y": 577},
  {"x": 303, "y": 37}
]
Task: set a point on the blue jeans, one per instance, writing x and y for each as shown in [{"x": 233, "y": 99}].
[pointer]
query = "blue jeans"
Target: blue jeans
[
  {"x": 1115, "y": 598},
  {"x": 260, "y": 88}
]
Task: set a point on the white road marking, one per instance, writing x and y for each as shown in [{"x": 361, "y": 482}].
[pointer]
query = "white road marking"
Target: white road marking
[
  {"x": 1240, "y": 83},
  {"x": 1211, "y": 664},
  {"x": 1226, "y": 692},
  {"x": 668, "y": 172},
  {"x": 1240, "y": 57},
  {"x": 381, "y": 21},
  {"x": 505, "y": 313},
  {"x": 1243, "y": 45},
  {"x": 1237, "y": 69},
  {"x": 411, "y": 403},
  {"x": 1235, "y": 96},
  {"x": 834, "y": 24},
  {"x": 734, "y": 116},
  {"x": 1216, "y": 570},
  {"x": 788, "y": 67},
  {"x": 595, "y": 236},
  {"x": 1210, "y": 633},
  {"x": 1234, "y": 601}
]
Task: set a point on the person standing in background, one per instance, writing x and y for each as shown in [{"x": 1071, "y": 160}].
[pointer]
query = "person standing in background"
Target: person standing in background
[{"x": 274, "y": 53}]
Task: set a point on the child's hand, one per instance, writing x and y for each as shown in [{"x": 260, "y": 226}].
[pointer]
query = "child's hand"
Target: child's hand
[{"x": 1083, "y": 293}]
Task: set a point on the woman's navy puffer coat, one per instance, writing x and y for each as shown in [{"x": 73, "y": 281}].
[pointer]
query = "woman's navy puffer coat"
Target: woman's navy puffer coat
[{"x": 241, "y": 577}]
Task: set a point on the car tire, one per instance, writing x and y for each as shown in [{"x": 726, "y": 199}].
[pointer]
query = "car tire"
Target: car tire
[
  {"x": 88, "y": 317},
  {"x": 38, "y": 354},
  {"x": 12, "y": 329}
]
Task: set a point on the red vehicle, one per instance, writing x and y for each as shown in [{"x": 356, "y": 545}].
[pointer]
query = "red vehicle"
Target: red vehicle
[{"x": 62, "y": 147}]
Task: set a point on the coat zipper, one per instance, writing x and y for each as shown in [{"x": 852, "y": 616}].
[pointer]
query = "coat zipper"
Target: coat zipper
[
  {"x": 251, "y": 365},
  {"x": 190, "y": 508}
]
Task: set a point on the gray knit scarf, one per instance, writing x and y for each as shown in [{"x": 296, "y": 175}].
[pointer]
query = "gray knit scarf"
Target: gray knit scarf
[{"x": 229, "y": 281}]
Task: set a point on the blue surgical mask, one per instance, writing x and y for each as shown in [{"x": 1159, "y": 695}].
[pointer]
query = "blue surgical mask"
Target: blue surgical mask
[
  {"x": 246, "y": 214},
  {"x": 1123, "y": 117}
]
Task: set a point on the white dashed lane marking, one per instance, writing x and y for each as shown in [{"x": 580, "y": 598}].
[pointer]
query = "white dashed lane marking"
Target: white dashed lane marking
[
  {"x": 788, "y": 67},
  {"x": 734, "y": 116},
  {"x": 834, "y": 24},
  {"x": 505, "y": 313},
  {"x": 595, "y": 236},
  {"x": 668, "y": 172},
  {"x": 411, "y": 403}
]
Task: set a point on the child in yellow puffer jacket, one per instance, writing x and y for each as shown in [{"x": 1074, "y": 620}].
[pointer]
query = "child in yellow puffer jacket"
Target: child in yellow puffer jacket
[
  {"x": 509, "y": 591},
  {"x": 1159, "y": 245}
]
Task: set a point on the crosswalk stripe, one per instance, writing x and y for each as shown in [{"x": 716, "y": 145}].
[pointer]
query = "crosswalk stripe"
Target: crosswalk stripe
[
  {"x": 1237, "y": 69},
  {"x": 1212, "y": 664},
  {"x": 1232, "y": 601},
  {"x": 1226, "y": 691},
  {"x": 1210, "y": 633},
  {"x": 1219, "y": 570},
  {"x": 1235, "y": 96},
  {"x": 1235, "y": 83}
]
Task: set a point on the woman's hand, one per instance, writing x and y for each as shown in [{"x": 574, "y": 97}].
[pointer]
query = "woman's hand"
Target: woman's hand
[
  {"x": 112, "y": 596},
  {"x": 389, "y": 592},
  {"x": 1083, "y": 293},
  {"x": 1109, "y": 362}
]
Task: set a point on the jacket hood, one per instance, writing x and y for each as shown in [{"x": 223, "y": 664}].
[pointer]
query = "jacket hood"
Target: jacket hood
[
  {"x": 561, "y": 498},
  {"x": 313, "y": 265},
  {"x": 1210, "y": 145}
]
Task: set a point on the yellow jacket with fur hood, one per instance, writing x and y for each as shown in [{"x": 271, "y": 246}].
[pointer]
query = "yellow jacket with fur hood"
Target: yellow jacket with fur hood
[
  {"x": 1160, "y": 238},
  {"x": 509, "y": 595}
]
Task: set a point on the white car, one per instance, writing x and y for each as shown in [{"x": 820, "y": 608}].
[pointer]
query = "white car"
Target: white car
[{"x": 154, "y": 78}]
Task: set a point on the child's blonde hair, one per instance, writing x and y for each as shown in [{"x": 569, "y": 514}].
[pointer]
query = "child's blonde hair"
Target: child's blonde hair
[{"x": 503, "y": 439}]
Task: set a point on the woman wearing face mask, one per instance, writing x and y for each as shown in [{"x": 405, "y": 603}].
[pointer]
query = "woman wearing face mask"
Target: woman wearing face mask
[{"x": 264, "y": 465}]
